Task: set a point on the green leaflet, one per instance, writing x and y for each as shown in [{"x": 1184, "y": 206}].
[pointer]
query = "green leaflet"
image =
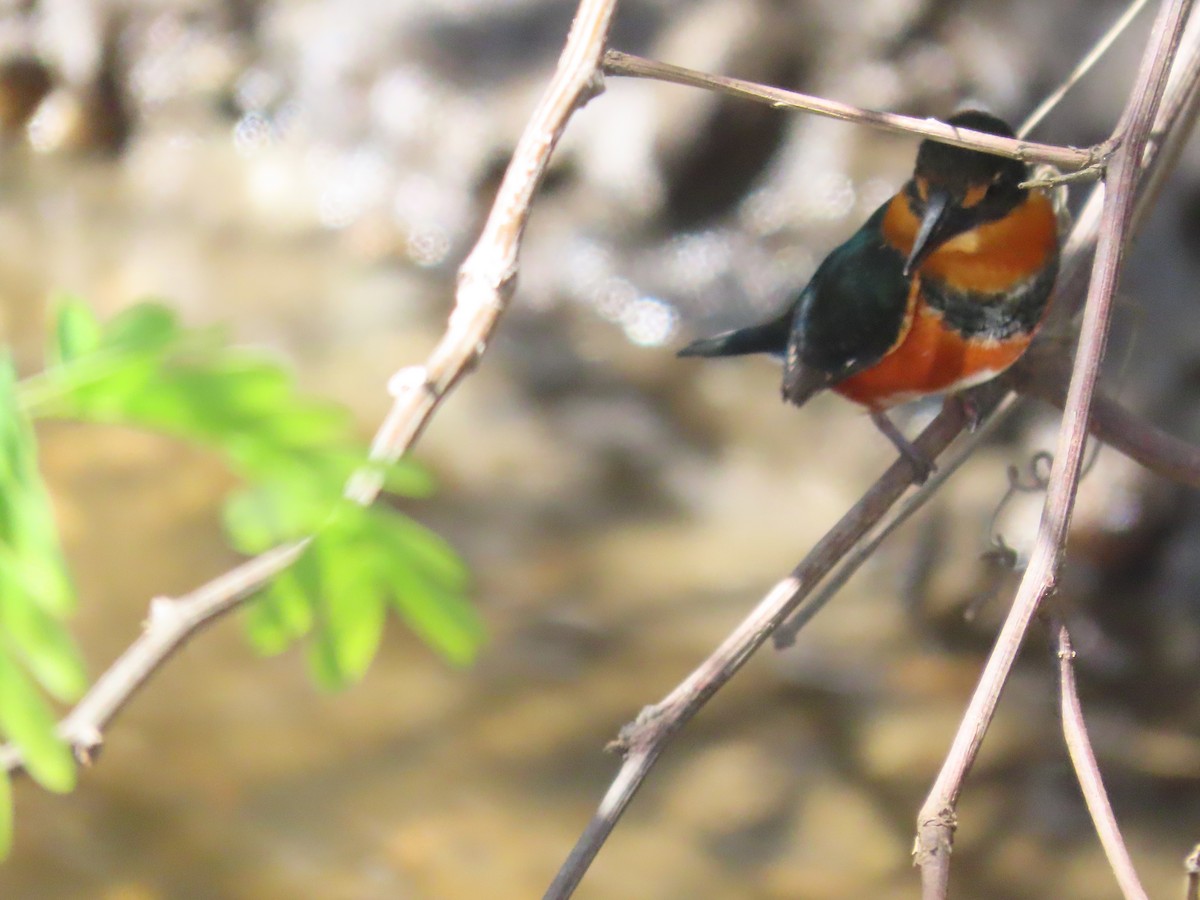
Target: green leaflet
[
  {"x": 283, "y": 612},
  {"x": 349, "y": 604},
  {"x": 426, "y": 583},
  {"x": 35, "y": 595},
  {"x": 39, "y": 639},
  {"x": 76, "y": 332},
  {"x": 360, "y": 563},
  {"x": 29, "y": 724}
]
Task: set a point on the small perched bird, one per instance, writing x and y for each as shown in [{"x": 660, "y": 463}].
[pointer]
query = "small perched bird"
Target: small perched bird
[{"x": 942, "y": 288}]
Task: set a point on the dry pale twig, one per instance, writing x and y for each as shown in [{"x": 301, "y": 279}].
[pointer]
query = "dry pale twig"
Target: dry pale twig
[
  {"x": 1088, "y": 772},
  {"x": 936, "y": 820},
  {"x": 1191, "y": 865},
  {"x": 485, "y": 284},
  {"x": 169, "y": 625},
  {"x": 618, "y": 63}
]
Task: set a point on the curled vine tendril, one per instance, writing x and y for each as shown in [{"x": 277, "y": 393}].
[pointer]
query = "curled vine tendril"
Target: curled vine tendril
[{"x": 1001, "y": 557}]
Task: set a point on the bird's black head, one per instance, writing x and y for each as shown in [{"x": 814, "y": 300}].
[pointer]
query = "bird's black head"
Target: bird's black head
[{"x": 954, "y": 189}]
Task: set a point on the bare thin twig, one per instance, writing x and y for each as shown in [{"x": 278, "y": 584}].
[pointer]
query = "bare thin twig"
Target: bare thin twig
[
  {"x": 1084, "y": 66},
  {"x": 485, "y": 284},
  {"x": 169, "y": 625},
  {"x": 1175, "y": 121},
  {"x": 936, "y": 820},
  {"x": 618, "y": 63},
  {"x": 1088, "y": 772}
]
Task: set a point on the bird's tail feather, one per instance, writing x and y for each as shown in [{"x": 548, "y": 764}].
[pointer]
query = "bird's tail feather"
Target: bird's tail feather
[{"x": 770, "y": 337}]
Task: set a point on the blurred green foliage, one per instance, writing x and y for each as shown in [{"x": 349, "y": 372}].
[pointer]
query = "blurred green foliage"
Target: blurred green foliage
[{"x": 293, "y": 454}]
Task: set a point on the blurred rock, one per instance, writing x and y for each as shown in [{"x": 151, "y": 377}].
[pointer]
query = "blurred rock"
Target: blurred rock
[
  {"x": 24, "y": 81},
  {"x": 729, "y": 788},
  {"x": 839, "y": 830}
]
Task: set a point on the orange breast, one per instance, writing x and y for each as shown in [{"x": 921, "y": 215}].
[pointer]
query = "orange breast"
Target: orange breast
[{"x": 931, "y": 359}]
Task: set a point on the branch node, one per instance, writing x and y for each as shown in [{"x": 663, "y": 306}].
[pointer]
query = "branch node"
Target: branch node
[
  {"x": 1192, "y": 862},
  {"x": 408, "y": 379},
  {"x": 164, "y": 612},
  {"x": 86, "y": 743},
  {"x": 638, "y": 733},
  {"x": 1104, "y": 151},
  {"x": 935, "y": 836},
  {"x": 592, "y": 89}
]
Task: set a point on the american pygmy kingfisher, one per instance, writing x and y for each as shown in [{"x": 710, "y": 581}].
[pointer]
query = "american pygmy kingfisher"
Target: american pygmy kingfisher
[{"x": 941, "y": 289}]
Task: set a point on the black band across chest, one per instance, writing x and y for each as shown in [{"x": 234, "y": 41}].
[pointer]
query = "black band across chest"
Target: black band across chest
[{"x": 992, "y": 316}]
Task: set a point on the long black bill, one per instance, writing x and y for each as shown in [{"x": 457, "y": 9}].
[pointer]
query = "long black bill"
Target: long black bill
[{"x": 933, "y": 232}]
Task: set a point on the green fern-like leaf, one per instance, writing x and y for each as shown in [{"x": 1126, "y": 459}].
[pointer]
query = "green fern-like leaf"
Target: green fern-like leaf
[{"x": 294, "y": 454}]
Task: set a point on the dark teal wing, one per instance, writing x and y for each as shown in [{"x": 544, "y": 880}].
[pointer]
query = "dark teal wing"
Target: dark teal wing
[{"x": 850, "y": 314}]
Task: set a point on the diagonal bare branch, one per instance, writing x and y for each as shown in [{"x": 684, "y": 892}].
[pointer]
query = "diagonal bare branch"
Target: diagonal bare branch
[{"x": 643, "y": 740}]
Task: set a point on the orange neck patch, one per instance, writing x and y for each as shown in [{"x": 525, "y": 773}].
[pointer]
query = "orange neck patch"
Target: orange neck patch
[{"x": 990, "y": 258}]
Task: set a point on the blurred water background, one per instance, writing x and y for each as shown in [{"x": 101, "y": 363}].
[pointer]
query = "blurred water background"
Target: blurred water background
[{"x": 310, "y": 174}]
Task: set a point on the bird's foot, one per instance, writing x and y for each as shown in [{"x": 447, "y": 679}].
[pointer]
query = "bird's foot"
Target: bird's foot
[
  {"x": 970, "y": 408},
  {"x": 922, "y": 465}
]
